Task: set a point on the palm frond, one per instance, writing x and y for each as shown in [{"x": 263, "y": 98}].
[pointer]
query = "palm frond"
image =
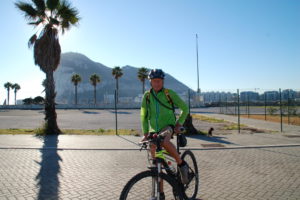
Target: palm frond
[
  {"x": 16, "y": 87},
  {"x": 54, "y": 21},
  {"x": 36, "y": 23},
  {"x": 143, "y": 73},
  {"x": 32, "y": 40},
  {"x": 40, "y": 6},
  {"x": 52, "y": 4},
  {"x": 28, "y": 10},
  {"x": 117, "y": 72},
  {"x": 65, "y": 25},
  {"x": 68, "y": 13},
  {"x": 94, "y": 79},
  {"x": 8, "y": 85},
  {"x": 76, "y": 78}
]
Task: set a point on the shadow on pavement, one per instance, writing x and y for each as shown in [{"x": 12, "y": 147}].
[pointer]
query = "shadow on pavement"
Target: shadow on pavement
[
  {"x": 216, "y": 139},
  {"x": 47, "y": 178},
  {"x": 128, "y": 140},
  {"x": 89, "y": 112},
  {"x": 122, "y": 112}
]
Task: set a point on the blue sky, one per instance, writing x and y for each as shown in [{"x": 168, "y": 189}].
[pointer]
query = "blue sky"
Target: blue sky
[{"x": 243, "y": 44}]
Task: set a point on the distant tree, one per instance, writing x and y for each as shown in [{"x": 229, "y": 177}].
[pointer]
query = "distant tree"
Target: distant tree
[
  {"x": 117, "y": 73},
  {"x": 28, "y": 101},
  {"x": 39, "y": 100},
  {"x": 75, "y": 80},
  {"x": 142, "y": 76},
  {"x": 8, "y": 86},
  {"x": 51, "y": 16},
  {"x": 95, "y": 79},
  {"x": 16, "y": 87}
]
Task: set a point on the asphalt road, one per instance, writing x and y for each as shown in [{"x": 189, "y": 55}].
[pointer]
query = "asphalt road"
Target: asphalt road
[
  {"x": 71, "y": 119},
  {"x": 106, "y": 119}
]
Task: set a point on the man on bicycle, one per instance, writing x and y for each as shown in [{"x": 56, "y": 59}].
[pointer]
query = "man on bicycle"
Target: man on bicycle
[{"x": 157, "y": 113}]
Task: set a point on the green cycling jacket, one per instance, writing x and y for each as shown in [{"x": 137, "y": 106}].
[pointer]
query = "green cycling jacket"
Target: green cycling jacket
[{"x": 155, "y": 117}]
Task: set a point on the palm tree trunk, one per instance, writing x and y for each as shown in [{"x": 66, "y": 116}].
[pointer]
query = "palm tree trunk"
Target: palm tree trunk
[
  {"x": 188, "y": 125},
  {"x": 7, "y": 96},
  {"x": 75, "y": 94},
  {"x": 15, "y": 97},
  {"x": 95, "y": 98},
  {"x": 50, "y": 113},
  {"x": 117, "y": 82},
  {"x": 143, "y": 87}
]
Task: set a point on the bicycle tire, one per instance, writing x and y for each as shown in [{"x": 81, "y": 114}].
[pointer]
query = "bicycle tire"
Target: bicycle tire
[
  {"x": 190, "y": 190},
  {"x": 137, "y": 180}
]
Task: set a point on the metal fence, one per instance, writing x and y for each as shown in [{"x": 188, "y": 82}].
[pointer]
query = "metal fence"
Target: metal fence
[
  {"x": 277, "y": 105},
  {"x": 281, "y": 105}
]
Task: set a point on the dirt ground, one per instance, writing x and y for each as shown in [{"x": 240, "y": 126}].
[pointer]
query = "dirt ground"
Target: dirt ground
[
  {"x": 224, "y": 128},
  {"x": 294, "y": 120}
]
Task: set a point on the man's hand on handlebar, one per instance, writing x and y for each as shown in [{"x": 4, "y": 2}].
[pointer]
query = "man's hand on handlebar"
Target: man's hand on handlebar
[{"x": 145, "y": 138}]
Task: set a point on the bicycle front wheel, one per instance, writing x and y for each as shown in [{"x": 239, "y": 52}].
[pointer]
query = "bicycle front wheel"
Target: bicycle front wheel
[
  {"x": 141, "y": 187},
  {"x": 190, "y": 190}
]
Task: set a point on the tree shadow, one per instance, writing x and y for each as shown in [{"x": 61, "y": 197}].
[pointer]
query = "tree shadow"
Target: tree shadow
[
  {"x": 89, "y": 112},
  {"x": 216, "y": 139},
  {"x": 47, "y": 178}
]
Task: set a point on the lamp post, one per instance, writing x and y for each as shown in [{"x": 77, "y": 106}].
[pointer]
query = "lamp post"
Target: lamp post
[{"x": 198, "y": 89}]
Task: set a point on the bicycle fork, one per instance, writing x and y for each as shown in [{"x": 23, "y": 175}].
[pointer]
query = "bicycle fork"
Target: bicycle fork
[{"x": 156, "y": 184}]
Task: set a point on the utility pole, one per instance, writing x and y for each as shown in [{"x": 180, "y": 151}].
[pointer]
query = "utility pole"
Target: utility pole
[{"x": 198, "y": 88}]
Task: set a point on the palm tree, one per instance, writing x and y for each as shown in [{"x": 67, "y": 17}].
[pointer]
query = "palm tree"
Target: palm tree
[
  {"x": 142, "y": 76},
  {"x": 117, "y": 73},
  {"x": 8, "y": 85},
  {"x": 76, "y": 79},
  {"x": 16, "y": 87},
  {"x": 52, "y": 16},
  {"x": 44, "y": 83},
  {"x": 94, "y": 79}
]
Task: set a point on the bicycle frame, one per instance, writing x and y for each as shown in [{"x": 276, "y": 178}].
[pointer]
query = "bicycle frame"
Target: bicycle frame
[{"x": 165, "y": 181}]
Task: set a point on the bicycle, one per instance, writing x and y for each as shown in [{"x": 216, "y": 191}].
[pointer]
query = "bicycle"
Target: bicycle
[{"x": 161, "y": 175}]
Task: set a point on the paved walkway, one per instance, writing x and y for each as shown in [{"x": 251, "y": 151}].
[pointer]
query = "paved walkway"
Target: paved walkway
[
  {"x": 106, "y": 142},
  {"x": 257, "y": 166}
]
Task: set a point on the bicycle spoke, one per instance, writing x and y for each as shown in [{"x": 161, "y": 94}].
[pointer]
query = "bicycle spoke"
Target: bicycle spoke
[
  {"x": 143, "y": 189},
  {"x": 191, "y": 188}
]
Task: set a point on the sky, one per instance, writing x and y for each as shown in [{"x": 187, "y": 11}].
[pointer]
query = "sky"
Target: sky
[{"x": 245, "y": 44}]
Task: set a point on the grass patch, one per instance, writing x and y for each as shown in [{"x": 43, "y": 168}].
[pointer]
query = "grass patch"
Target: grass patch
[
  {"x": 15, "y": 131},
  {"x": 207, "y": 119},
  {"x": 40, "y": 131},
  {"x": 233, "y": 126}
]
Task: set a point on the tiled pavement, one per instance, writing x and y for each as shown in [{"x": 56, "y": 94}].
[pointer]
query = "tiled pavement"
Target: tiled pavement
[{"x": 88, "y": 167}]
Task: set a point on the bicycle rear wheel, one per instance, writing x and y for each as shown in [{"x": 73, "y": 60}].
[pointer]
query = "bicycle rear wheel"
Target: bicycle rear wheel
[
  {"x": 190, "y": 190},
  {"x": 140, "y": 187}
]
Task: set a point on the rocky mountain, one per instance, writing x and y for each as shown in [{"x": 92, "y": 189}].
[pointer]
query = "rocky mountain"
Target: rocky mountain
[{"x": 129, "y": 85}]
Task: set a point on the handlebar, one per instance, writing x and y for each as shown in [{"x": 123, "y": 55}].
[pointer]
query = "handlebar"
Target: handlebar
[{"x": 158, "y": 137}]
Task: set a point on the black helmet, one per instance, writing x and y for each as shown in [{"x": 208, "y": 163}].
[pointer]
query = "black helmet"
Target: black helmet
[{"x": 156, "y": 73}]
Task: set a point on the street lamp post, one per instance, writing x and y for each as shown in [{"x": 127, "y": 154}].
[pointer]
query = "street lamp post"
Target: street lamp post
[{"x": 198, "y": 89}]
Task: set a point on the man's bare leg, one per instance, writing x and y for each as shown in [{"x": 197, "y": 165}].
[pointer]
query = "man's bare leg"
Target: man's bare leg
[{"x": 169, "y": 146}]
